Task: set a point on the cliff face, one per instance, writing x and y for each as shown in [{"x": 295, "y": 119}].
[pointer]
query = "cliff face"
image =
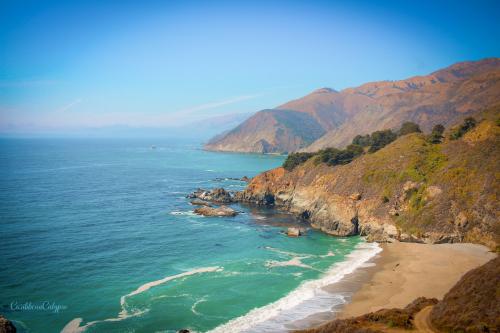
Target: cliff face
[
  {"x": 327, "y": 118},
  {"x": 411, "y": 190}
]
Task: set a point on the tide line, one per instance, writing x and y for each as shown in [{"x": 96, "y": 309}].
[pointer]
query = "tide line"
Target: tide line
[{"x": 74, "y": 325}]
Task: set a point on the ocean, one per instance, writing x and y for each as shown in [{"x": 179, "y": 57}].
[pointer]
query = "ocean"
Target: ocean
[{"x": 97, "y": 236}]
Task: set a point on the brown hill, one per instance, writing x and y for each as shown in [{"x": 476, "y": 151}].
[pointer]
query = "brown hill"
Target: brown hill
[
  {"x": 327, "y": 118},
  {"x": 411, "y": 190},
  {"x": 473, "y": 304}
]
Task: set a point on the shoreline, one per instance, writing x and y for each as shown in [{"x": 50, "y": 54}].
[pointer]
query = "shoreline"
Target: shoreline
[{"x": 397, "y": 275}]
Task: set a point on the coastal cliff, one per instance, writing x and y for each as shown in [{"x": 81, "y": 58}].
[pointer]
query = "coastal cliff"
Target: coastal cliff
[{"x": 410, "y": 190}]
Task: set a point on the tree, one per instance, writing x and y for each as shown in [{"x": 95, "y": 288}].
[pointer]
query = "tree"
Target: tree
[
  {"x": 380, "y": 139},
  {"x": 362, "y": 140},
  {"x": 295, "y": 159},
  {"x": 409, "y": 127},
  {"x": 436, "y": 134}
]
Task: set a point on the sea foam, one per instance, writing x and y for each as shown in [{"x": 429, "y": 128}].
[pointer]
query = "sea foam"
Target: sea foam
[
  {"x": 309, "y": 298},
  {"x": 74, "y": 325}
]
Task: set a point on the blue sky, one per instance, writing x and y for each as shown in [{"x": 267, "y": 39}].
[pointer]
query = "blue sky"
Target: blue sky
[{"x": 77, "y": 64}]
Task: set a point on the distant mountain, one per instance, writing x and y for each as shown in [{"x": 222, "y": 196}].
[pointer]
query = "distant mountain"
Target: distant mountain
[{"x": 327, "y": 118}]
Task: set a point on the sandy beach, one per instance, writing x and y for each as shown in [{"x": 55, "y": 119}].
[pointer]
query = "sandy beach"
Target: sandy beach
[
  {"x": 405, "y": 271},
  {"x": 398, "y": 275}
]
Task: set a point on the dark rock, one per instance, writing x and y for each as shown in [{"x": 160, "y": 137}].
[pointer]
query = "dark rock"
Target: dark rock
[
  {"x": 219, "y": 195},
  {"x": 6, "y": 326}
]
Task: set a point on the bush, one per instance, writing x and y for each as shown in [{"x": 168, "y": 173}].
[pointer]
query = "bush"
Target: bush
[
  {"x": 409, "y": 127},
  {"x": 468, "y": 124},
  {"x": 333, "y": 156},
  {"x": 295, "y": 159},
  {"x": 437, "y": 134},
  {"x": 380, "y": 139},
  {"x": 362, "y": 140}
]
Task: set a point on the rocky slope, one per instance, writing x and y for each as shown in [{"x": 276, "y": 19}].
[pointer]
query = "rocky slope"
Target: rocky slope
[
  {"x": 411, "y": 190},
  {"x": 327, "y": 118},
  {"x": 382, "y": 321},
  {"x": 473, "y": 304}
]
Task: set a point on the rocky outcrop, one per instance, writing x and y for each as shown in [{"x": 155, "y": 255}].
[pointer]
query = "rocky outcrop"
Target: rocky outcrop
[
  {"x": 215, "y": 211},
  {"x": 198, "y": 202},
  {"x": 6, "y": 326},
  {"x": 410, "y": 191},
  {"x": 217, "y": 195},
  {"x": 328, "y": 118},
  {"x": 293, "y": 232}
]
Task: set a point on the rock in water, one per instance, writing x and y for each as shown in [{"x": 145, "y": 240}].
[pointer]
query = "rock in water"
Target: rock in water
[
  {"x": 215, "y": 211},
  {"x": 199, "y": 202},
  {"x": 219, "y": 195},
  {"x": 245, "y": 179},
  {"x": 293, "y": 232},
  {"x": 6, "y": 326}
]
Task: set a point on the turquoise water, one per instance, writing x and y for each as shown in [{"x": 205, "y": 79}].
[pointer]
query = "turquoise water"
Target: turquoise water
[{"x": 102, "y": 230}]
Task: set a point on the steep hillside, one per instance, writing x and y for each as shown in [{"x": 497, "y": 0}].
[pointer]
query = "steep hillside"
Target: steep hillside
[
  {"x": 473, "y": 304},
  {"x": 411, "y": 190},
  {"x": 336, "y": 117}
]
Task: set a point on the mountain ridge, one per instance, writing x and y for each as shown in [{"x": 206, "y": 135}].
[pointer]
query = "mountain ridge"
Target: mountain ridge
[{"x": 443, "y": 96}]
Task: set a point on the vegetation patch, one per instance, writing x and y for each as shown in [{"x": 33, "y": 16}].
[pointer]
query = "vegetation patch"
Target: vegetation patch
[
  {"x": 360, "y": 144},
  {"x": 468, "y": 124}
]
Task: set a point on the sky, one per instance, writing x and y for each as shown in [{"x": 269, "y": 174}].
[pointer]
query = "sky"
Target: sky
[{"x": 68, "y": 65}]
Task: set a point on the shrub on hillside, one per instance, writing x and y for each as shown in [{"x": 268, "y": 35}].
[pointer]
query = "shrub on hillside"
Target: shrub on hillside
[
  {"x": 295, "y": 159},
  {"x": 437, "y": 134},
  {"x": 380, "y": 139},
  {"x": 409, "y": 127},
  {"x": 362, "y": 140},
  {"x": 333, "y": 156},
  {"x": 468, "y": 124}
]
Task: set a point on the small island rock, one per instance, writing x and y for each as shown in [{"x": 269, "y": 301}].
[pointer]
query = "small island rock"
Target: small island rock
[
  {"x": 293, "y": 232},
  {"x": 215, "y": 211}
]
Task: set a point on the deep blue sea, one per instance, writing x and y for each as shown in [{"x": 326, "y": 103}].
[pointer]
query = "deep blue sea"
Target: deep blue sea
[{"x": 97, "y": 236}]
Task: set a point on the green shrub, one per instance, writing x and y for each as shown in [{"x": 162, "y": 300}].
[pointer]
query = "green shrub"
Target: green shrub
[
  {"x": 436, "y": 135},
  {"x": 333, "y": 156},
  {"x": 295, "y": 159},
  {"x": 362, "y": 140},
  {"x": 380, "y": 139},
  {"x": 468, "y": 124},
  {"x": 409, "y": 127}
]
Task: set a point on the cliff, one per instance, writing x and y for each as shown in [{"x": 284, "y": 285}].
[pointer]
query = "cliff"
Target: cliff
[
  {"x": 327, "y": 118},
  {"x": 410, "y": 190}
]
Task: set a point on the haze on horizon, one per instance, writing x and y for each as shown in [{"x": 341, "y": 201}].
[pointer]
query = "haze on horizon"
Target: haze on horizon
[{"x": 123, "y": 66}]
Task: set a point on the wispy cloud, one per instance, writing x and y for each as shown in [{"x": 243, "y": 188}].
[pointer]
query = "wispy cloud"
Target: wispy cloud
[
  {"x": 214, "y": 105},
  {"x": 70, "y": 105}
]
